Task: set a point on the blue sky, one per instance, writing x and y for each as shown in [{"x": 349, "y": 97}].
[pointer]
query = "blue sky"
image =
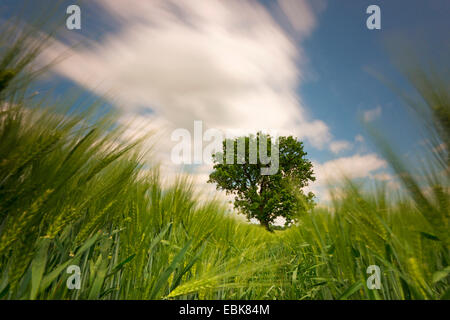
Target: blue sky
[
  {"x": 296, "y": 66},
  {"x": 342, "y": 47}
]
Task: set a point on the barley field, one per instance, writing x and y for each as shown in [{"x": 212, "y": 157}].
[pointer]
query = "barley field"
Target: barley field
[{"x": 72, "y": 192}]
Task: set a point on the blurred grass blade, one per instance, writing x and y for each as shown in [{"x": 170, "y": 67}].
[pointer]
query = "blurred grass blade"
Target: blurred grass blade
[{"x": 38, "y": 267}]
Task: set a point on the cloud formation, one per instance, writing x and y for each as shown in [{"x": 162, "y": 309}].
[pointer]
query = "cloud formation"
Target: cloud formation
[
  {"x": 356, "y": 166},
  {"x": 372, "y": 114},
  {"x": 329, "y": 174},
  {"x": 339, "y": 146},
  {"x": 228, "y": 63}
]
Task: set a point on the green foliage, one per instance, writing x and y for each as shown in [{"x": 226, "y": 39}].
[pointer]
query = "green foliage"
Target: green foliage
[
  {"x": 265, "y": 196},
  {"x": 69, "y": 196}
]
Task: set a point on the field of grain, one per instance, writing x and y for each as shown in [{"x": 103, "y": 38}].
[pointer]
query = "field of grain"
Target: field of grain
[{"x": 73, "y": 193}]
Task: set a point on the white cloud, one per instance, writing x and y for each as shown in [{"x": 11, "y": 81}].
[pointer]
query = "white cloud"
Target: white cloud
[
  {"x": 372, "y": 114},
  {"x": 294, "y": 9},
  {"x": 392, "y": 182},
  {"x": 330, "y": 174},
  {"x": 359, "y": 138},
  {"x": 356, "y": 166},
  {"x": 228, "y": 63},
  {"x": 339, "y": 146}
]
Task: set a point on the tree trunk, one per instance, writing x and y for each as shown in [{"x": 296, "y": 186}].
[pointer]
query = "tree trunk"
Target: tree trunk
[{"x": 266, "y": 225}]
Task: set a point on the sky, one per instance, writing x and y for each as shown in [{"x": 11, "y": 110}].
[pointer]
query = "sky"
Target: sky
[{"x": 297, "y": 67}]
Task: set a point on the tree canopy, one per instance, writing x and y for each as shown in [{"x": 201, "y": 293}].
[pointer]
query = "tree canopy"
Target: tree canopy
[{"x": 260, "y": 192}]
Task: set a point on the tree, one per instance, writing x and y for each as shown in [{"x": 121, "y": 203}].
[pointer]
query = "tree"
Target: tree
[{"x": 260, "y": 195}]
